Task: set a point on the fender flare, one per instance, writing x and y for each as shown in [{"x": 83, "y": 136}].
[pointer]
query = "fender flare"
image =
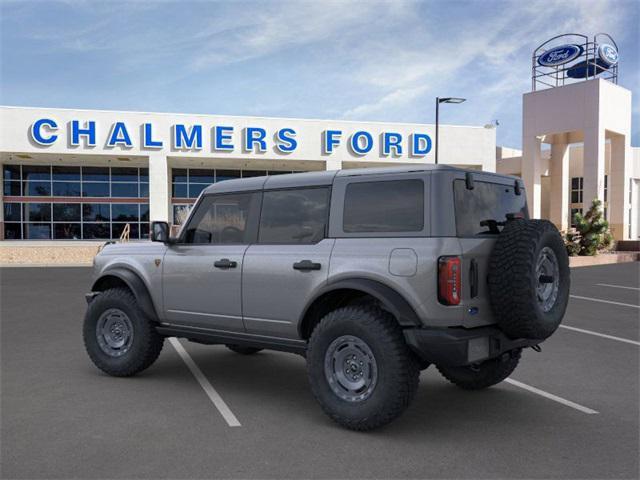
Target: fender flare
[
  {"x": 135, "y": 284},
  {"x": 390, "y": 299}
]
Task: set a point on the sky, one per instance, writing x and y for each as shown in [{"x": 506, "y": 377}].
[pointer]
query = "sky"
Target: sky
[{"x": 351, "y": 60}]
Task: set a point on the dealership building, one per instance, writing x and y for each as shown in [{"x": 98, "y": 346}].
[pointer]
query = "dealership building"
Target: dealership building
[
  {"x": 92, "y": 175},
  {"x": 85, "y": 174}
]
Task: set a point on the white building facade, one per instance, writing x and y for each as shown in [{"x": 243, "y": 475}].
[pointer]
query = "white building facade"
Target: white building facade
[{"x": 86, "y": 174}]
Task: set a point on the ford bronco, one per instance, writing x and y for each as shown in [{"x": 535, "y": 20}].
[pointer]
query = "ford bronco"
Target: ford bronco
[{"x": 371, "y": 274}]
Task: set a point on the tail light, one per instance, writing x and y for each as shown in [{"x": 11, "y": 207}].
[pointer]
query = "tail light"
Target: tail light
[{"x": 449, "y": 280}]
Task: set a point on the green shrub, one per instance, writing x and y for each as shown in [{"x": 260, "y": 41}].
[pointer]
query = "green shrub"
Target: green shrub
[{"x": 591, "y": 233}]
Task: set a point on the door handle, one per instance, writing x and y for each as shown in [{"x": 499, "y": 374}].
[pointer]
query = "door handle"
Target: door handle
[
  {"x": 306, "y": 265},
  {"x": 225, "y": 263}
]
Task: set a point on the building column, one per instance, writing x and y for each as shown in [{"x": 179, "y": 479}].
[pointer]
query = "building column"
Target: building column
[
  {"x": 333, "y": 164},
  {"x": 559, "y": 168},
  {"x": 619, "y": 187},
  {"x": 159, "y": 180},
  {"x": 593, "y": 164},
  {"x": 531, "y": 173}
]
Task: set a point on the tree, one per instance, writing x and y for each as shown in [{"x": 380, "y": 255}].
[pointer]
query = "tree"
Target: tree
[{"x": 591, "y": 233}]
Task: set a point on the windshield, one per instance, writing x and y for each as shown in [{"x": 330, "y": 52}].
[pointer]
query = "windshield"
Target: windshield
[{"x": 487, "y": 201}]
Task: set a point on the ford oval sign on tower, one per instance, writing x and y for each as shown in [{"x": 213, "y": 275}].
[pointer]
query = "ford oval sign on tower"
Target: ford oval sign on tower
[
  {"x": 560, "y": 55},
  {"x": 608, "y": 54},
  {"x": 571, "y": 57}
]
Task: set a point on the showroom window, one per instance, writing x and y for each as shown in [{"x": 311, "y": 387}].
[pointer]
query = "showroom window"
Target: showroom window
[
  {"x": 78, "y": 202},
  {"x": 188, "y": 183}
]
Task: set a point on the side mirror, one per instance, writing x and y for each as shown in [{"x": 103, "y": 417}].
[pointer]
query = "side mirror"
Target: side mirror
[{"x": 160, "y": 232}]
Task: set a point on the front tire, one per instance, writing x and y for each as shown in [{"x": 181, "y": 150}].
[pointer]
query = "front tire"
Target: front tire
[
  {"x": 484, "y": 375},
  {"x": 120, "y": 340},
  {"x": 360, "y": 369}
]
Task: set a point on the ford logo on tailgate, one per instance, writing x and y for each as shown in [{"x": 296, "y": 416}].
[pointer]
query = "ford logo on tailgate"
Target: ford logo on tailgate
[{"x": 560, "y": 55}]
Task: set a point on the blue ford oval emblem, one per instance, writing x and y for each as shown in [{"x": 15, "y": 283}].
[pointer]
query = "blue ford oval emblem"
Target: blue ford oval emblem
[
  {"x": 560, "y": 55},
  {"x": 608, "y": 54}
]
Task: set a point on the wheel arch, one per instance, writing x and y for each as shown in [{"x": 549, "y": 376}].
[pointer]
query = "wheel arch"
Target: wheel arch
[
  {"x": 344, "y": 291},
  {"x": 124, "y": 277}
]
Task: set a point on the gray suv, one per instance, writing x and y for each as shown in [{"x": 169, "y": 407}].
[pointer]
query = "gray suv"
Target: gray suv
[{"x": 371, "y": 274}]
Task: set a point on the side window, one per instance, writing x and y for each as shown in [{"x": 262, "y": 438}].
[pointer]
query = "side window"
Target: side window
[
  {"x": 384, "y": 206},
  {"x": 294, "y": 216},
  {"x": 222, "y": 219}
]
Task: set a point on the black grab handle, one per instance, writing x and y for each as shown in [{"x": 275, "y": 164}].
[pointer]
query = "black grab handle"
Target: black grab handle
[
  {"x": 306, "y": 265},
  {"x": 225, "y": 263}
]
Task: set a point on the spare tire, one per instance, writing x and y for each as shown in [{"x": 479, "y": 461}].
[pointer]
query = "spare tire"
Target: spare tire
[{"x": 529, "y": 279}]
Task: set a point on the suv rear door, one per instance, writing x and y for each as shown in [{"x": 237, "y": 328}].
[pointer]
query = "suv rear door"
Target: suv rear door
[
  {"x": 490, "y": 198},
  {"x": 289, "y": 261}
]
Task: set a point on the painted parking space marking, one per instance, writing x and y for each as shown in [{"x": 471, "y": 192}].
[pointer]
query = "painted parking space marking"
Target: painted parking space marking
[
  {"x": 605, "y": 301},
  {"x": 617, "y": 286},
  {"x": 211, "y": 392},
  {"x": 551, "y": 396},
  {"x": 603, "y": 335}
]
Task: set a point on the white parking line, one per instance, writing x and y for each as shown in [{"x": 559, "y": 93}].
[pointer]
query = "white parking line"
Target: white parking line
[
  {"x": 605, "y": 301},
  {"x": 217, "y": 400},
  {"x": 616, "y": 286},
  {"x": 610, "y": 337},
  {"x": 551, "y": 396}
]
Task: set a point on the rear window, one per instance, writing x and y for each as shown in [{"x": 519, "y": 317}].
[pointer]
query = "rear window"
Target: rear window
[
  {"x": 487, "y": 201},
  {"x": 294, "y": 216},
  {"x": 386, "y": 206}
]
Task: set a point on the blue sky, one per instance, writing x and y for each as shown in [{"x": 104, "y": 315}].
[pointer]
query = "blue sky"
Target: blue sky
[{"x": 379, "y": 61}]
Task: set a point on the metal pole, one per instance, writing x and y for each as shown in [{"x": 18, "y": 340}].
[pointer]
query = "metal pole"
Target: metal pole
[{"x": 437, "y": 119}]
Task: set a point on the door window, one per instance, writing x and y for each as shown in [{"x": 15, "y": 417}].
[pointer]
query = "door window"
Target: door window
[
  {"x": 223, "y": 219},
  {"x": 294, "y": 216}
]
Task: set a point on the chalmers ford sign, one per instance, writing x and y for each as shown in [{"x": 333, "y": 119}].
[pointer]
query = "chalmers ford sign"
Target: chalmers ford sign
[{"x": 46, "y": 132}]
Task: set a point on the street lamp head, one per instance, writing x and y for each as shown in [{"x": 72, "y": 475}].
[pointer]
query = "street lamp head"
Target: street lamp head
[{"x": 451, "y": 100}]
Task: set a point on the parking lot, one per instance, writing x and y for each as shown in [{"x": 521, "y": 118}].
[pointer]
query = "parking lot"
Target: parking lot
[{"x": 570, "y": 411}]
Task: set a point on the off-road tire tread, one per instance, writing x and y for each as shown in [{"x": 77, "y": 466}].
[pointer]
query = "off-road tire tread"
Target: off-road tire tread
[
  {"x": 484, "y": 378},
  {"x": 509, "y": 279},
  {"x": 152, "y": 341},
  {"x": 406, "y": 369}
]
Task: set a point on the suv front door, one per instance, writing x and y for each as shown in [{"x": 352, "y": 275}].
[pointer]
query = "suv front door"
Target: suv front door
[
  {"x": 203, "y": 270},
  {"x": 289, "y": 262}
]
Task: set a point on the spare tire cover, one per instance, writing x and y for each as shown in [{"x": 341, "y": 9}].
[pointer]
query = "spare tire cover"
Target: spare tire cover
[{"x": 529, "y": 279}]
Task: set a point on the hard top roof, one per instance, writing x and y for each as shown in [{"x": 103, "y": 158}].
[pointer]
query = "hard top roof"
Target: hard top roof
[{"x": 312, "y": 179}]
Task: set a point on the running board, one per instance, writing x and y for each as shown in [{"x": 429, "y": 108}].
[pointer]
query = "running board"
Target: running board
[{"x": 216, "y": 337}]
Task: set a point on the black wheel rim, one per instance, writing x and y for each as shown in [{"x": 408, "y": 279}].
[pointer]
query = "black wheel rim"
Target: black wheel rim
[
  {"x": 548, "y": 279},
  {"x": 350, "y": 368},
  {"x": 114, "y": 332}
]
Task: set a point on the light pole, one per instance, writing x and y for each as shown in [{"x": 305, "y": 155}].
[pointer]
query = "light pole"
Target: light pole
[{"x": 438, "y": 102}]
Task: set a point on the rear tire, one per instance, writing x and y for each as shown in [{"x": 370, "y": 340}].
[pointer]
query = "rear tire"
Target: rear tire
[
  {"x": 360, "y": 369},
  {"x": 484, "y": 375},
  {"x": 118, "y": 337},
  {"x": 242, "y": 350}
]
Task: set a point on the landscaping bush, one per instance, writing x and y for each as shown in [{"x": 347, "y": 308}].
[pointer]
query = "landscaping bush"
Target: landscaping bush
[{"x": 591, "y": 233}]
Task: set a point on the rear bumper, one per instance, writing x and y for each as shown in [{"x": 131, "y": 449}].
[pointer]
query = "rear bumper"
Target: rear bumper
[{"x": 460, "y": 346}]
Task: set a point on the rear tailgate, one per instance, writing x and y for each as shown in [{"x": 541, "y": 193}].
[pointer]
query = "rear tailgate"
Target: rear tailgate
[{"x": 478, "y": 197}]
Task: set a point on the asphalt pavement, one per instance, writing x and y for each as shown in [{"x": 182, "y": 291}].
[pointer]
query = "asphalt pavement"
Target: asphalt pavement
[{"x": 571, "y": 411}]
